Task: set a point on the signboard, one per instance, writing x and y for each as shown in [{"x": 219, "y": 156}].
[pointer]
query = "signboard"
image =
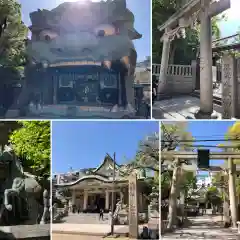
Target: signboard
[{"x": 133, "y": 207}]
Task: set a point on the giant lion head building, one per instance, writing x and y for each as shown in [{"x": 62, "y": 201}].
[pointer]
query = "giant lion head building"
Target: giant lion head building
[{"x": 83, "y": 56}]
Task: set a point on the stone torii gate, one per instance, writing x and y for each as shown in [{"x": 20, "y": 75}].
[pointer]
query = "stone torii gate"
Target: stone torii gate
[
  {"x": 203, "y": 11},
  {"x": 178, "y": 157}
]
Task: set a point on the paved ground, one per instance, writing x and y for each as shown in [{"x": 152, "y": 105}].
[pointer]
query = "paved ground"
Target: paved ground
[
  {"x": 179, "y": 108},
  {"x": 73, "y": 237},
  {"x": 204, "y": 227},
  {"x": 90, "y": 229},
  {"x": 89, "y": 225},
  {"x": 77, "y": 237},
  {"x": 85, "y": 218}
]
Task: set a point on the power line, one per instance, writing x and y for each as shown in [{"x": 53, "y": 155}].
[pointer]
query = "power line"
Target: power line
[
  {"x": 205, "y": 140},
  {"x": 208, "y": 146}
]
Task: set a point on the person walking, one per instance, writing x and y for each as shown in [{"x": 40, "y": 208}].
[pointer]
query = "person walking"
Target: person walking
[
  {"x": 154, "y": 88},
  {"x": 101, "y": 214}
]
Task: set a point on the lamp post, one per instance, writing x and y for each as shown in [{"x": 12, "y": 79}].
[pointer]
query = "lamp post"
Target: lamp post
[{"x": 113, "y": 186}]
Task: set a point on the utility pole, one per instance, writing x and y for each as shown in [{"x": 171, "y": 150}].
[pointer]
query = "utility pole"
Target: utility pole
[
  {"x": 113, "y": 193},
  {"x": 232, "y": 191}
]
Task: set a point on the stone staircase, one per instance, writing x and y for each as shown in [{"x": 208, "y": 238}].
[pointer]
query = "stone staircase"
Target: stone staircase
[{"x": 86, "y": 218}]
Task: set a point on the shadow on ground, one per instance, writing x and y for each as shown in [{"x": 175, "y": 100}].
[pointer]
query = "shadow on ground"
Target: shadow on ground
[{"x": 6, "y": 236}]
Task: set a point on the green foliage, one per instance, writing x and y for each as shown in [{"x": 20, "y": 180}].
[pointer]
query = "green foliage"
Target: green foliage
[
  {"x": 12, "y": 40},
  {"x": 178, "y": 132},
  {"x": 213, "y": 196},
  {"x": 189, "y": 182},
  {"x": 65, "y": 193},
  {"x": 6, "y": 128},
  {"x": 32, "y": 143},
  {"x": 147, "y": 156}
]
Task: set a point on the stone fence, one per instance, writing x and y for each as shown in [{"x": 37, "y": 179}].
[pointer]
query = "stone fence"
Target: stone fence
[
  {"x": 181, "y": 79},
  {"x": 174, "y": 70}
]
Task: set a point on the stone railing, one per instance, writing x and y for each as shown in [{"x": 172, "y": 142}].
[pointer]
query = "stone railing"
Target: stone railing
[
  {"x": 180, "y": 79},
  {"x": 173, "y": 70}
]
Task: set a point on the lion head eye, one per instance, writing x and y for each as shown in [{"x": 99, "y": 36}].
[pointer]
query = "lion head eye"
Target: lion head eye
[{"x": 105, "y": 30}]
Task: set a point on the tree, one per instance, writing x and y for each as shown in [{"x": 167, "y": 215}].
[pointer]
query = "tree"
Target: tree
[
  {"x": 6, "y": 128},
  {"x": 31, "y": 142},
  {"x": 213, "y": 196},
  {"x": 13, "y": 34},
  {"x": 178, "y": 133},
  {"x": 147, "y": 156}
]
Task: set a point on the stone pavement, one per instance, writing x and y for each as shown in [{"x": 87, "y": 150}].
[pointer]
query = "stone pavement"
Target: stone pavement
[
  {"x": 77, "y": 237},
  {"x": 179, "y": 108},
  {"x": 86, "y": 218},
  {"x": 203, "y": 227},
  {"x": 90, "y": 229},
  {"x": 74, "y": 237}
]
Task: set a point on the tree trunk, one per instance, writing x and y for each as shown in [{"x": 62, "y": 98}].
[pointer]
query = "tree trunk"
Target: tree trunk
[{"x": 172, "y": 210}]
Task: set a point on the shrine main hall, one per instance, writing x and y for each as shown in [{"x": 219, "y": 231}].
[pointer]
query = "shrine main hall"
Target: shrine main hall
[{"x": 91, "y": 189}]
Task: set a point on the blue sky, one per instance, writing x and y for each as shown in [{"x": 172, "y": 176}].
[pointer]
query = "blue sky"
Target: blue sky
[
  {"x": 141, "y": 12},
  {"x": 202, "y": 130},
  {"x": 84, "y": 144},
  {"x": 231, "y": 26}
]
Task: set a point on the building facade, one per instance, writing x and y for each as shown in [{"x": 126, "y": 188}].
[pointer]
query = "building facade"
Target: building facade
[
  {"x": 93, "y": 189},
  {"x": 83, "y": 54}
]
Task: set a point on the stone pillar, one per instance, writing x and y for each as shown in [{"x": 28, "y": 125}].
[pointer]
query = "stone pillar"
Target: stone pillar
[
  {"x": 229, "y": 87},
  {"x": 194, "y": 73},
  {"x": 55, "y": 89},
  {"x": 133, "y": 207},
  {"x": 107, "y": 200},
  {"x": 85, "y": 200},
  {"x": 129, "y": 84},
  {"x": 162, "y": 84},
  {"x": 232, "y": 191},
  {"x": 140, "y": 202},
  {"x": 206, "y": 83},
  {"x": 73, "y": 197},
  {"x": 182, "y": 204},
  {"x": 121, "y": 196}
]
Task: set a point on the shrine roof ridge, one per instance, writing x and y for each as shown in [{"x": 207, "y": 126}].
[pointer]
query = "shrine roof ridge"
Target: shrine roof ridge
[{"x": 88, "y": 177}]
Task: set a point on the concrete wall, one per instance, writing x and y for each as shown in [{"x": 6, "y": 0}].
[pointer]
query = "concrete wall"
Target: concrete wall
[
  {"x": 180, "y": 84},
  {"x": 181, "y": 79}
]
